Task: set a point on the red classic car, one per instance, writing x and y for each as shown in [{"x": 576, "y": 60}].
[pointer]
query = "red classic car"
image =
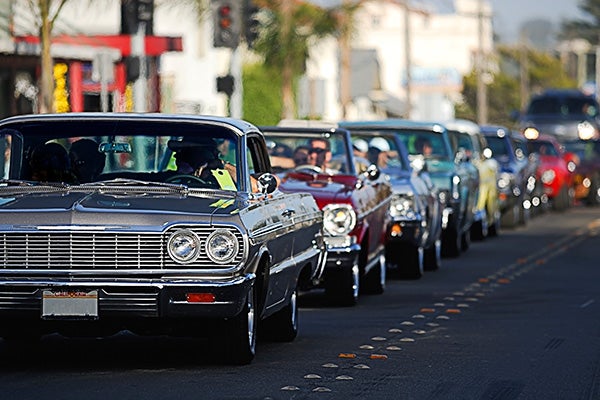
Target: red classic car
[
  {"x": 556, "y": 169},
  {"x": 587, "y": 173},
  {"x": 354, "y": 196}
]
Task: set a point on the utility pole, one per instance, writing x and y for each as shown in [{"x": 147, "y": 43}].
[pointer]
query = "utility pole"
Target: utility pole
[
  {"x": 482, "y": 111},
  {"x": 140, "y": 84},
  {"x": 407, "y": 58},
  {"x": 524, "y": 69}
]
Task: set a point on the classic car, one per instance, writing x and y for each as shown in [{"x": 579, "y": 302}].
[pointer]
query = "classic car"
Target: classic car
[
  {"x": 353, "y": 195},
  {"x": 556, "y": 170},
  {"x": 413, "y": 235},
  {"x": 566, "y": 114},
  {"x": 470, "y": 145},
  {"x": 586, "y": 178},
  {"x": 141, "y": 242},
  {"x": 535, "y": 201},
  {"x": 428, "y": 144},
  {"x": 512, "y": 180}
]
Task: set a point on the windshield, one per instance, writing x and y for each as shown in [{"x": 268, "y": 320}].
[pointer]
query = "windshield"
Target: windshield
[
  {"x": 585, "y": 150},
  {"x": 149, "y": 153},
  {"x": 569, "y": 106},
  {"x": 500, "y": 147},
  {"x": 308, "y": 152},
  {"x": 543, "y": 148},
  {"x": 379, "y": 150},
  {"x": 428, "y": 144}
]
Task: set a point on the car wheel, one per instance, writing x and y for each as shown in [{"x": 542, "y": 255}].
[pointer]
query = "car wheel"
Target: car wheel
[
  {"x": 494, "y": 228},
  {"x": 451, "y": 242},
  {"x": 283, "y": 325},
  {"x": 342, "y": 287},
  {"x": 465, "y": 240},
  {"x": 240, "y": 333},
  {"x": 432, "y": 257},
  {"x": 561, "y": 201},
  {"x": 524, "y": 213},
  {"x": 479, "y": 230},
  {"x": 510, "y": 217},
  {"x": 593, "y": 198},
  {"x": 410, "y": 264},
  {"x": 374, "y": 282}
]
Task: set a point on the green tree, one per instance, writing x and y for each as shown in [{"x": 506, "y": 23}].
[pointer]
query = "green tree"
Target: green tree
[
  {"x": 288, "y": 29},
  {"x": 262, "y": 95},
  {"x": 587, "y": 28},
  {"x": 504, "y": 95}
]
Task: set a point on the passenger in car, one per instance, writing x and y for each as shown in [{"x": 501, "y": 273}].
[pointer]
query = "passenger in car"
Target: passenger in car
[
  {"x": 49, "y": 162},
  {"x": 87, "y": 162}
]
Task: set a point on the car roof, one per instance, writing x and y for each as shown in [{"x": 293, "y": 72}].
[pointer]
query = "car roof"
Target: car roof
[
  {"x": 394, "y": 123},
  {"x": 238, "y": 126},
  {"x": 463, "y": 125}
]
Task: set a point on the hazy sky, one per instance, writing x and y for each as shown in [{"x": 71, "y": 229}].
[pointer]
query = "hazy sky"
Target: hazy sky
[{"x": 509, "y": 15}]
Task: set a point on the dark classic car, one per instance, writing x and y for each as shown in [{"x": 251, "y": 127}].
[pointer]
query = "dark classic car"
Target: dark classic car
[
  {"x": 413, "y": 235},
  {"x": 587, "y": 173},
  {"x": 353, "y": 195},
  {"x": 470, "y": 145},
  {"x": 566, "y": 114},
  {"x": 157, "y": 224},
  {"x": 428, "y": 144},
  {"x": 513, "y": 177}
]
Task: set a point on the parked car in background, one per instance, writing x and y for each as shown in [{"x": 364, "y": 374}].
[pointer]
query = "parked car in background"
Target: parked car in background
[
  {"x": 512, "y": 181},
  {"x": 470, "y": 144},
  {"x": 535, "y": 200},
  {"x": 413, "y": 236},
  {"x": 353, "y": 195},
  {"x": 566, "y": 114},
  {"x": 183, "y": 231},
  {"x": 586, "y": 179},
  {"x": 556, "y": 169},
  {"x": 428, "y": 144}
]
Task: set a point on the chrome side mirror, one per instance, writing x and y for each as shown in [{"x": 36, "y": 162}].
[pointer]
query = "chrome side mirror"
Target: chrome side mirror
[{"x": 267, "y": 183}]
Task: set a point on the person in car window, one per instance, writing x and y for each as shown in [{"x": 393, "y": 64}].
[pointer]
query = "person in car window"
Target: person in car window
[
  {"x": 49, "y": 162},
  {"x": 87, "y": 162}
]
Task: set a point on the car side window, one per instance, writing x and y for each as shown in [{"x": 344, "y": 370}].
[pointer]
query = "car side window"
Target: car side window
[{"x": 6, "y": 148}]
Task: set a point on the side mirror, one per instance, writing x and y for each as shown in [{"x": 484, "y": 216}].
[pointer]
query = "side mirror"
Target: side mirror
[
  {"x": 487, "y": 153},
  {"x": 267, "y": 183},
  {"x": 460, "y": 156},
  {"x": 372, "y": 172},
  {"x": 418, "y": 163}
]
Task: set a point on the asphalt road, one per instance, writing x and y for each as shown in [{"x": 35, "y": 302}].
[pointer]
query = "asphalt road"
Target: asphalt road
[{"x": 515, "y": 317}]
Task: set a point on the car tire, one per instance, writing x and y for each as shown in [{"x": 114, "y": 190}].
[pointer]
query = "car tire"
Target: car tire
[
  {"x": 342, "y": 287},
  {"x": 432, "y": 256},
  {"x": 479, "y": 231},
  {"x": 494, "y": 228},
  {"x": 561, "y": 201},
  {"x": 283, "y": 325},
  {"x": 593, "y": 198},
  {"x": 465, "y": 240},
  {"x": 374, "y": 282},
  {"x": 451, "y": 242},
  {"x": 239, "y": 333},
  {"x": 510, "y": 218},
  {"x": 410, "y": 264}
]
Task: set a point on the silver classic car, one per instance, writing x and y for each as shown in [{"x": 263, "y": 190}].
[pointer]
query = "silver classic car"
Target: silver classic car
[{"x": 156, "y": 224}]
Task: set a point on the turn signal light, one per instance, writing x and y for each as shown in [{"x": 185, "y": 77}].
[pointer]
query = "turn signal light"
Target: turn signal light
[
  {"x": 396, "y": 230},
  {"x": 200, "y": 297}
]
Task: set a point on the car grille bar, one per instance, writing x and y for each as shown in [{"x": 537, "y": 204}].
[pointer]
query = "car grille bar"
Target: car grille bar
[{"x": 98, "y": 250}]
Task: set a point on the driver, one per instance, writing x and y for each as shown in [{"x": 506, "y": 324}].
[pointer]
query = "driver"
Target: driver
[{"x": 197, "y": 158}]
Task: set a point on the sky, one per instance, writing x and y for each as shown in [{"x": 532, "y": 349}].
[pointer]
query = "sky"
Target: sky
[{"x": 509, "y": 15}]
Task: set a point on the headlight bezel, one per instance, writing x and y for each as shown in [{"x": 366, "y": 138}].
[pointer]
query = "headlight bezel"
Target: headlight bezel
[
  {"x": 329, "y": 219},
  {"x": 193, "y": 244},
  {"x": 212, "y": 245},
  {"x": 404, "y": 206}
]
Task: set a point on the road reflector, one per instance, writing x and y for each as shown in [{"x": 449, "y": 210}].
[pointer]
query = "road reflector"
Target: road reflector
[
  {"x": 427, "y": 310},
  {"x": 378, "y": 357},
  {"x": 453, "y": 311},
  {"x": 347, "y": 355}
]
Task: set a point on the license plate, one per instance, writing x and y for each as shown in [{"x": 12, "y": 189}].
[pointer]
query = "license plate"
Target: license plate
[{"x": 69, "y": 303}]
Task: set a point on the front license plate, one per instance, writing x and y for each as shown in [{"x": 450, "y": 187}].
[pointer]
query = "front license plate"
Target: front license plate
[{"x": 57, "y": 304}]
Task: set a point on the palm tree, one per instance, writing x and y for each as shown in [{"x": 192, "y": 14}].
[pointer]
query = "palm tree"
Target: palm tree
[
  {"x": 46, "y": 12},
  {"x": 289, "y": 27}
]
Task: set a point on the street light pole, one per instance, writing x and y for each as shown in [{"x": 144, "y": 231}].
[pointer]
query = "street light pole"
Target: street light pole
[{"x": 482, "y": 111}]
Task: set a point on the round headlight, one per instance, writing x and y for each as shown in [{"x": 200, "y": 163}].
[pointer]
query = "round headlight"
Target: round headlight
[
  {"x": 338, "y": 219},
  {"x": 183, "y": 246},
  {"x": 548, "y": 176},
  {"x": 221, "y": 246},
  {"x": 403, "y": 206}
]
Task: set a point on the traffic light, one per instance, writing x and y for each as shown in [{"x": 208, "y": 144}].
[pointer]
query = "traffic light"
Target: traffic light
[
  {"x": 135, "y": 11},
  {"x": 227, "y": 24},
  {"x": 226, "y": 84},
  {"x": 251, "y": 22}
]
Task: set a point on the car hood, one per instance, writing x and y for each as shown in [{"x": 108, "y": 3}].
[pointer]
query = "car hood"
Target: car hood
[
  {"x": 325, "y": 189},
  {"x": 95, "y": 207}
]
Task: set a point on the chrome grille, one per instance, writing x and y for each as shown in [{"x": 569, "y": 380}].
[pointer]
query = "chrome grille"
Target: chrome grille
[{"x": 77, "y": 250}]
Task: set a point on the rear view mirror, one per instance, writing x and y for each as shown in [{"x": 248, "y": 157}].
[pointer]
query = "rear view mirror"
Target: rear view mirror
[{"x": 114, "y": 147}]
